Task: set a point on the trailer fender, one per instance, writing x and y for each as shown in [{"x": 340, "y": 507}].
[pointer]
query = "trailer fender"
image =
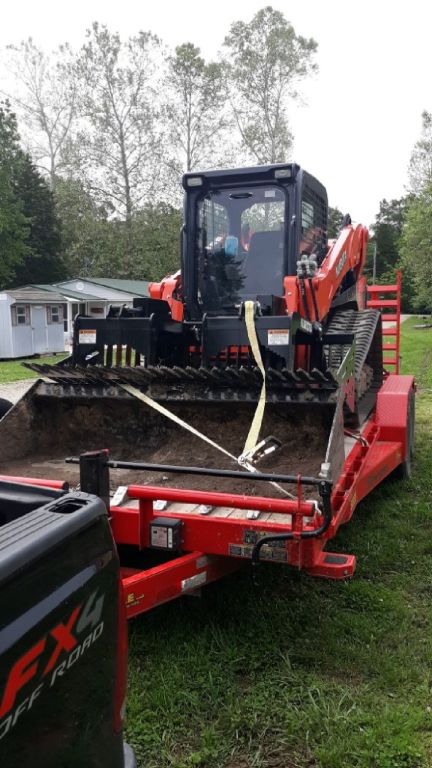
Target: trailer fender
[{"x": 395, "y": 416}]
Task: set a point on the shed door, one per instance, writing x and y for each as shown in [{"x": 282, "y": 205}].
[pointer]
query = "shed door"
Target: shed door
[{"x": 39, "y": 328}]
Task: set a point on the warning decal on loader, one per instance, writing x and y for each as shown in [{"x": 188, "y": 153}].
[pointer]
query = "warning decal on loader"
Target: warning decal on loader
[
  {"x": 278, "y": 337},
  {"x": 87, "y": 336}
]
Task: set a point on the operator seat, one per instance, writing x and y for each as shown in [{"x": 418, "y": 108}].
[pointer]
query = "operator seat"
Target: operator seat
[{"x": 263, "y": 264}]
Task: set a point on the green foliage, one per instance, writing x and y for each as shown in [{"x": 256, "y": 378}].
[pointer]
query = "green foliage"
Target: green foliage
[
  {"x": 420, "y": 167},
  {"x": 387, "y": 232},
  {"x": 84, "y": 231},
  {"x": 43, "y": 263},
  {"x": 334, "y": 223},
  {"x": 386, "y": 244},
  {"x": 416, "y": 248},
  {"x": 114, "y": 126},
  {"x": 14, "y": 225},
  {"x": 93, "y": 243},
  {"x": 44, "y": 94},
  {"x": 116, "y": 150},
  {"x": 29, "y": 228},
  {"x": 265, "y": 60},
  {"x": 195, "y": 109},
  {"x": 156, "y": 230}
]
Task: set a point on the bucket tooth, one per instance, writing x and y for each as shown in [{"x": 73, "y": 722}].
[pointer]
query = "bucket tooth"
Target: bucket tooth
[
  {"x": 139, "y": 376},
  {"x": 319, "y": 376},
  {"x": 145, "y": 375},
  {"x": 305, "y": 376},
  {"x": 169, "y": 374},
  {"x": 250, "y": 376},
  {"x": 275, "y": 375},
  {"x": 153, "y": 372},
  {"x": 291, "y": 377},
  {"x": 185, "y": 374},
  {"x": 203, "y": 374},
  {"x": 230, "y": 375},
  {"x": 217, "y": 375},
  {"x": 234, "y": 373}
]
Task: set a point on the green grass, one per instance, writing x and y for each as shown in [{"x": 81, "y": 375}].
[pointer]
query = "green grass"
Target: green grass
[
  {"x": 13, "y": 370},
  {"x": 297, "y": 671}
]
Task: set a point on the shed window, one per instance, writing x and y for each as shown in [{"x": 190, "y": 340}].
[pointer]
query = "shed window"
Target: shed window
[
  {"x": 20, "y": 314},
  {"x": 78, "y": 309},
  {"x": 55, "y": 314}
]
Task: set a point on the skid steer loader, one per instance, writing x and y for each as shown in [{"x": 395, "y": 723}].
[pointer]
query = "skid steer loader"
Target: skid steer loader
[{"x": 259, "y": 349}]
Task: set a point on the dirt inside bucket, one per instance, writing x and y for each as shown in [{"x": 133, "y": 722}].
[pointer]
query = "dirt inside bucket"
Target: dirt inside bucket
[{"x": 42, "y": 431}]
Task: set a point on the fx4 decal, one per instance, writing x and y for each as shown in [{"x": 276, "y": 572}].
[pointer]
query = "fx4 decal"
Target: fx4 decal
[{"x": 47, "y": 659}]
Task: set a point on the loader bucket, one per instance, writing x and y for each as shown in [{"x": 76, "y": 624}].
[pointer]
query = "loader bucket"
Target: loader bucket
[{"x": 54, "y": 421}]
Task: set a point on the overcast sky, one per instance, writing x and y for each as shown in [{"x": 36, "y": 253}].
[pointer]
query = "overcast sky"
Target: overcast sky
[{"x": 361, "y": 114}]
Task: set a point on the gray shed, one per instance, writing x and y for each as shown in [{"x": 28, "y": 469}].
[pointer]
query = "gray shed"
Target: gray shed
[{"x": 31, "y": 323}]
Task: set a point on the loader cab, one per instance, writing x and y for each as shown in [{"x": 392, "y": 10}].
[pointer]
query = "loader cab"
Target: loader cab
[{"x": 244, "y": 231}]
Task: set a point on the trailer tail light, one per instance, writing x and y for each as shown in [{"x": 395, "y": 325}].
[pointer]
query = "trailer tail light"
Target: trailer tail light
[{"x": 121, "y": 662}]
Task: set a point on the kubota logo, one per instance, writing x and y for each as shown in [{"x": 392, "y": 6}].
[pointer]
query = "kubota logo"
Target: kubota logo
[
  {"x": 46, "y": 659},
  {"x": 341, "y": 263}
]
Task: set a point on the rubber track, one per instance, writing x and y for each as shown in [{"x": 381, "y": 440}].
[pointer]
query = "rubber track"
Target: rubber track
[{"x": 360, "y": 323}]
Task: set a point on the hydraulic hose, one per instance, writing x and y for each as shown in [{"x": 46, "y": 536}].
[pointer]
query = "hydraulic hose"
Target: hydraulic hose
[{"x": 325, "y": 491}]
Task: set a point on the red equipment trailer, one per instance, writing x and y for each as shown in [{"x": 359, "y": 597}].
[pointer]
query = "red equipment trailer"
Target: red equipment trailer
[
  {"x": 202, "y": 535},
  {"x": 203, "y": 548}
]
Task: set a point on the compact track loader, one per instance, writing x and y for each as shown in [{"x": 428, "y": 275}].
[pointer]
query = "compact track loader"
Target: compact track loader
[
  {"x": 257, "y": 366},
  {"x": 262, "y": 309}
]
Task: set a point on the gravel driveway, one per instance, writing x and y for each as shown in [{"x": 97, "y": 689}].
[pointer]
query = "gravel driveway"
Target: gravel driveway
[{"x": 15, "y": 389}]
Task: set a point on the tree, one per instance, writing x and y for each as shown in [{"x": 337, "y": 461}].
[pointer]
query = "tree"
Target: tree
[
  {"x": 195, "y": 111},
  {"x": 334, "y": 223},
  {"x": 386, "y": 233},
  {"x": 93, "y": 243},
  {"x": 416, "y": 248},
  {"x": 14, "y": 225},
  {"x": 117, "y": 144},
  {"x": 420, "y": 167},
  {"x": 86, "y": 234},
  {"x": 43, "y": 262},
  {"x": 45, "y": 98},
  {"x": 157, "y": 235},
  {"x": 265, "y": 62}
]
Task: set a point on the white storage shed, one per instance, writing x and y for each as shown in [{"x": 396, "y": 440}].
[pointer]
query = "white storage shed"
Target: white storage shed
[{"x": 31, "y": 323}]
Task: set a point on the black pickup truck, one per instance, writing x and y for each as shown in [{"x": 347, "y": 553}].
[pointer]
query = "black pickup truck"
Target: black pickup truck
[{"x": 63, "y": 633}]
